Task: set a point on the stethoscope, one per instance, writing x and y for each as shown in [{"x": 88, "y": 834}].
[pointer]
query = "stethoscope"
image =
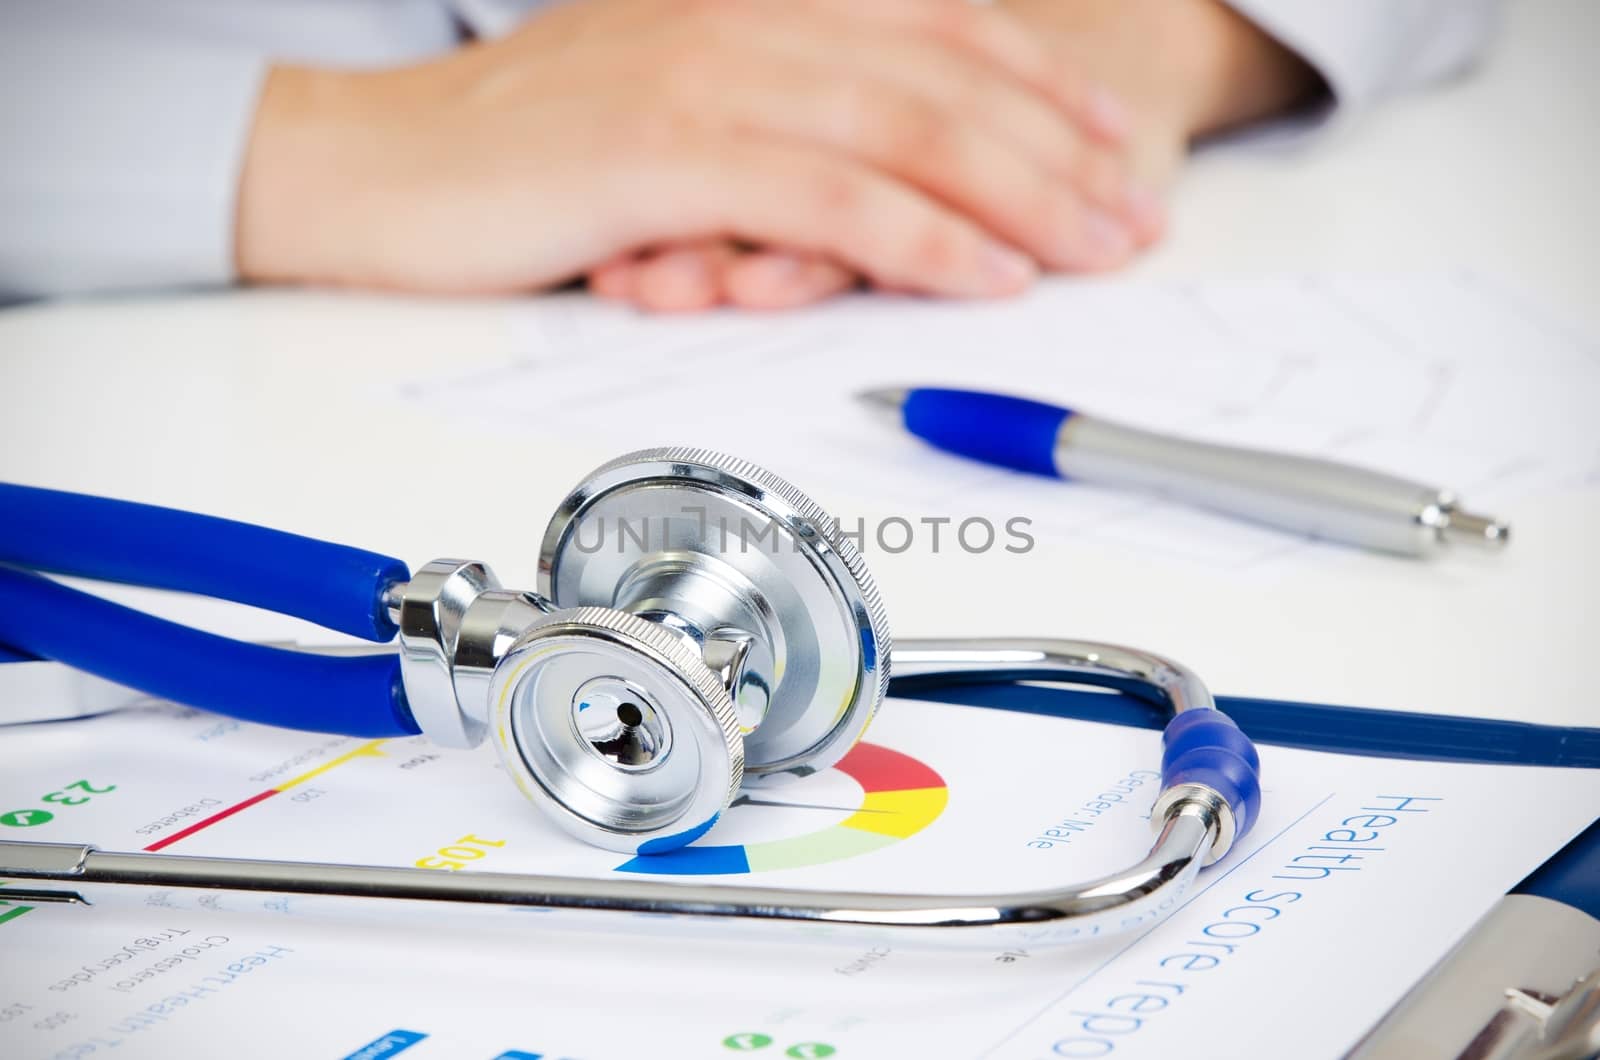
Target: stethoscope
[{"x": 700, "y": 625}]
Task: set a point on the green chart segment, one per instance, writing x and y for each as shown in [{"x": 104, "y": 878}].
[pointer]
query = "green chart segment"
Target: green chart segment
[{"x": 901, "y": 797}]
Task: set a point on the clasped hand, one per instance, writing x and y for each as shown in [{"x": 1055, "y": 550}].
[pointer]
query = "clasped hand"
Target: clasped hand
[{"x": 681, "y": 153}]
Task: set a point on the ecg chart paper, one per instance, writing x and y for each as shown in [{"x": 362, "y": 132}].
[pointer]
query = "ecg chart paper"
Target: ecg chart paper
[
  {"x": 1447, "y": 378},
  {"x": 1360, "y": 874}
]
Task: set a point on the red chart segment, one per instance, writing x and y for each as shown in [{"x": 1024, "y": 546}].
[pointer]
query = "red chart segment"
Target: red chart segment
[
  {"x": 878, "y": 768},
  {"x": 371, "y": 747}
]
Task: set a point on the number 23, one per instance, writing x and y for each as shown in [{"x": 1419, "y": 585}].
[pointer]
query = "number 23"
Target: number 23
[{"x": 74, "y": 800}]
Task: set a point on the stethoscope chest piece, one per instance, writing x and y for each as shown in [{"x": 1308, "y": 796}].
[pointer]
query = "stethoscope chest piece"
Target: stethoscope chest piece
[
  {"x": 617, "y": 727},
  {"x": 699, "y": 624}
]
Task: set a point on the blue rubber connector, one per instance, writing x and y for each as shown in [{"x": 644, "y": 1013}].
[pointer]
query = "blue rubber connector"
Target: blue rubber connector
[
  {"x": 1206, "y": 747},
  {"x": 335, "y": 586},
  {"x": 996, "y": 429},
  {"x": 352, "y": 695}
]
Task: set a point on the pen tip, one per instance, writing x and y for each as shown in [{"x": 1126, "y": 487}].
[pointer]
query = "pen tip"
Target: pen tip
[
  {"x": 885, "y": 402},
  {"x": 1477, "y": 529}
]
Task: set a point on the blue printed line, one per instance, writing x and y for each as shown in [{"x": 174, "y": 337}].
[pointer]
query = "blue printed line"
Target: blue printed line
[
  {"x": 396, "y": 1041},
  {"x": 1025, "y": 1024}
]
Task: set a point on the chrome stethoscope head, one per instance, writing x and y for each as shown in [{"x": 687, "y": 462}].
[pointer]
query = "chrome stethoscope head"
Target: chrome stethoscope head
[{"x": 700, "y": 623}]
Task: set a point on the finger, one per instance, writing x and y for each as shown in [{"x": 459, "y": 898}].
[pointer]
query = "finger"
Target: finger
[
  {"x": 1053, "y": 218},
  {"x": 1148, "y": 216},
  {"x": 772, "y": 279},
  {"x": 681, "y": 279},
  {"x": 615, "y": 279},
  {"x": 829, "y": 54},
  {"x": 1002, "y": 40},
  {"x": 790, "y": 195},
  {"x": 1103, "y": 180},
  {"x": 964, "y": 87}
]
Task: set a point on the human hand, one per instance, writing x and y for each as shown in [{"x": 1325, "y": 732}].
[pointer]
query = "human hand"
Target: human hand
[
  {"x": 1185, "y": 69},
  {"x": 927, "y": 145}
]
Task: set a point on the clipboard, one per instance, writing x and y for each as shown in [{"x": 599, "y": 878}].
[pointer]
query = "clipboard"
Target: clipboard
[{"x": 1524, "y": 983}]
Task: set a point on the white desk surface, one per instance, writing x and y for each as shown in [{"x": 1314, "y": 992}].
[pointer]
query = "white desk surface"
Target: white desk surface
[{"x": 271, "y": 406}]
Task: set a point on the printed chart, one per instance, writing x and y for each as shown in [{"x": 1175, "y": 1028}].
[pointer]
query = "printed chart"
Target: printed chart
[
  {"x": 900, "y": 797},
  {"x": 936, "y": 803}
]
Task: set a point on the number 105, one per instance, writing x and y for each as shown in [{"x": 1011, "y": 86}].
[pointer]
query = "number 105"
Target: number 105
[{"x": 456, "y": 855}]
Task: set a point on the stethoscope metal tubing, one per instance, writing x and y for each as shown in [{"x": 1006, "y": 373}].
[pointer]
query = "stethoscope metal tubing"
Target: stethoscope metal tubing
[
  {"x": 1119, "y": 902},
  {"x": 58, "y": 692},
  {"x": 1130, "y": 670}
]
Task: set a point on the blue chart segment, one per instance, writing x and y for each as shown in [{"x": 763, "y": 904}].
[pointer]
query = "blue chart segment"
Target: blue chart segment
[
  {"x": 398, "y": 1041},
  {"x": 900, "y": 797}
]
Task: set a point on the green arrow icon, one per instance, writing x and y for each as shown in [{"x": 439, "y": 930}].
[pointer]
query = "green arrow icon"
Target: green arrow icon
[
  {"x": 747, "y": 1042},
  {"x": 25, "y": 818}
]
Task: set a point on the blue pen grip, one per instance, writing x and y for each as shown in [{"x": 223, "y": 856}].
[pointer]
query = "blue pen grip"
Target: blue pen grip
[
  {"x": 354, "y": 695},
  {"x": 996, "y": 429},
  {"x": 332, "y": 585},
  {"x": 1206, "y": 747}
]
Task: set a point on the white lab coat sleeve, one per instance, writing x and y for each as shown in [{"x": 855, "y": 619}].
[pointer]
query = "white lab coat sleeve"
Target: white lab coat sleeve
[
  {"x": 121, "y": 147},
  {"x": 1369, "y": 49}
]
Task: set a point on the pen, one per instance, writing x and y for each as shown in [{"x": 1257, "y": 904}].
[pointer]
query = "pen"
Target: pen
[{"x": 1303, "y": 494}]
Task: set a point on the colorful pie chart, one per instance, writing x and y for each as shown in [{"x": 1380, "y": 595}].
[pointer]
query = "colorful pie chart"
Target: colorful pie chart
[{"x": 900, "y": 797}]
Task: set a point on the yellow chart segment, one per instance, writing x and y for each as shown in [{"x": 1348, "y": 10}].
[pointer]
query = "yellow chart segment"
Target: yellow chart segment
[
  {"x": 898, "y": 813},
  {"x": 371, "y": 747}
]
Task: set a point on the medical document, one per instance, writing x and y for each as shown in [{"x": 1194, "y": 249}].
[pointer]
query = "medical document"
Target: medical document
[
  {"x": 1361, "y": 873},
  {"x": 1447, "y": 378}
]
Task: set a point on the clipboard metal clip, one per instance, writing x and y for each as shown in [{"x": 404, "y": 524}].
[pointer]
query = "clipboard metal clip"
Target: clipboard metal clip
[
  {"x": 1531, "y": 1026},
  {"x": 1463, "y": 1009}
]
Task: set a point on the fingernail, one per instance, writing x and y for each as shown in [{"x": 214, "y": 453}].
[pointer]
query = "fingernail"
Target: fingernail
[
  {"x": 688, "y": 266},
  {"x": 676, "y": 281},
  {"x": 1007, "y": 270},
  {"x": 780, "y": 270},
  {"x": 1107, "y": 113},
  {"x": 1107, "y": 240},
  {"x": 1145, "y": 208}
]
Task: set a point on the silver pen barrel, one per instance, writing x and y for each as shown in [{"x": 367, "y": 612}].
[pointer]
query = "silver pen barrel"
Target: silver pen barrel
[{"x": 1307, "y": 495}]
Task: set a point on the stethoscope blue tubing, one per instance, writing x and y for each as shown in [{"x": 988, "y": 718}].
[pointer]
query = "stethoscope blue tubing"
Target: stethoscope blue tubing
[
  {"x": 342, "y": 588},
  {"x": 354, "y": 695},
  {"x": 335, "y": 586}
]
